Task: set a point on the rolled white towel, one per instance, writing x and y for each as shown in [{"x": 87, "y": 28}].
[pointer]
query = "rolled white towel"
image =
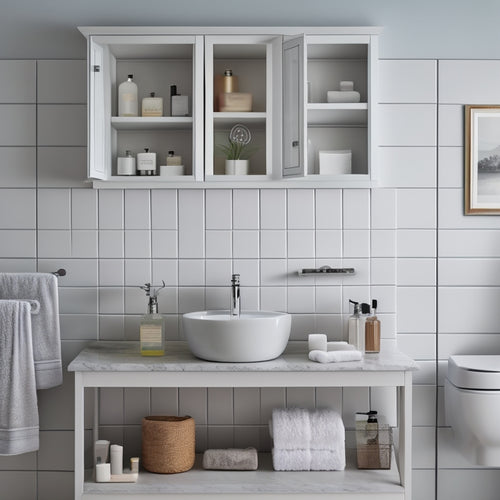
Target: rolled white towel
[
  {"x": 328, "y": 459},
  {"x": 291, "y": 459},
  {"x": 291, "y": 428},
  {"x": 338, "y": 346},
  {"x": 327, "y": 430},
  {"x": 335, "y": 356},
  {"x": 317, "y": 341}
]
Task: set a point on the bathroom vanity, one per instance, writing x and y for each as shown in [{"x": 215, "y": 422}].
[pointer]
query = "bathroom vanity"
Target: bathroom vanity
[{"x": 119, "y": 364}]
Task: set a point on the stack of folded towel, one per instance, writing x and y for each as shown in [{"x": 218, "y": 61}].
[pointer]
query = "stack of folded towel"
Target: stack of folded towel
[
  {"x": 322, "y": 351},
  {"x": 307, "y": 439}
]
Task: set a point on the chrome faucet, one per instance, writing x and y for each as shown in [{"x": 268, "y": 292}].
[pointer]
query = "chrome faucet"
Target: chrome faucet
[{"x": 235, "y": 296}]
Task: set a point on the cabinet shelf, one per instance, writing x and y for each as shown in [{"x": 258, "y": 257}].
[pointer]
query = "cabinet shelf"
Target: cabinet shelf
[
  {"x": 372, "y": 484},
  {"x": 228, "y": 119},
  {"x": 337, "y": 114},
  {"x": 152, "y": 123}
]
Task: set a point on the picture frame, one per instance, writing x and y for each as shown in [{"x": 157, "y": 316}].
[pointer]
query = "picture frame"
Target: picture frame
[{"x": 482, "y": 160}]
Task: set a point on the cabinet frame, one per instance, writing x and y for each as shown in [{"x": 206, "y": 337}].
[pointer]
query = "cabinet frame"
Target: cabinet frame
[
  {"x": 203, "y": 177},
  {"x": 270, "y": 116},
  {"x": 103, "y": 124},
  {"x": 313, "y": 114}
]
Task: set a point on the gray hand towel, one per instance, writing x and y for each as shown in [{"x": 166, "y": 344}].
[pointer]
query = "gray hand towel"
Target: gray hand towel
[
  {"x": 45, "y": 325},
  {"x": 18, "y": 403},
  {"x": 231, "y": 459}
]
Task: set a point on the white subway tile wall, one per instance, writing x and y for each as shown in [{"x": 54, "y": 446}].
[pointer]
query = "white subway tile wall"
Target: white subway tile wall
[{"x": 431, "y": 267}]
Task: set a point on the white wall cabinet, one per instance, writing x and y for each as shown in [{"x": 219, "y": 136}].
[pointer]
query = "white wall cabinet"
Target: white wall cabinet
[{"x": 287, "y": 71}]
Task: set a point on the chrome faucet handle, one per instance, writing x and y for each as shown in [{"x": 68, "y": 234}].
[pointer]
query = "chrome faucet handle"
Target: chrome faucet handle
[{"x": 235, "y": 279}]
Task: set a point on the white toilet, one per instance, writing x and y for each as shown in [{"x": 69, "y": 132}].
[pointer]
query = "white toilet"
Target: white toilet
[{"x": 472, "y": 405}]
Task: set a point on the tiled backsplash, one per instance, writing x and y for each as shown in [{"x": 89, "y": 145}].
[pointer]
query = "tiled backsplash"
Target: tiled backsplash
[{"x": 408, "y": 239}]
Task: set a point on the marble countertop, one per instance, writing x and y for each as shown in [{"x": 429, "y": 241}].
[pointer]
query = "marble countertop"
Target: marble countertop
[{"x": 121, "y": 356}]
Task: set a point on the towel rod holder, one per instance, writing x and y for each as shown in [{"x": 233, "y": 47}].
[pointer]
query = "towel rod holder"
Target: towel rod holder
[
  {"x": 60, "y": 272},
  {"x": 327, "y": 270}
]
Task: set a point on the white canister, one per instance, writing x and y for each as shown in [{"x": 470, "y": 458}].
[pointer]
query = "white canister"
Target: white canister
[
  {"x": 126, "y": 164},
  {"x": 335, "y": 162},
  {"x": 103, "y": 473},
  {"x": 146, "y": 163}
]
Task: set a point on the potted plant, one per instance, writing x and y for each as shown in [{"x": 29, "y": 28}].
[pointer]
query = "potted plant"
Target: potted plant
[{"x": 237, "y": 151}]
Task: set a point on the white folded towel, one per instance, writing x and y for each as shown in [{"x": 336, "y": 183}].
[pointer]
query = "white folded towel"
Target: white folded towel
[
  {"x": 338, "y": 346},
  {"x": 18, "y": 402},
  {"x": 335, "y": 356},
  {"x": 328, "y": 459},
  {"x": 284, "y": 459},
  {"x": 291, "y": 428},
  {"x": 327, "y": 430},
  {"x": 45, "y": 325},
  {"x": 317, "y": 341}
]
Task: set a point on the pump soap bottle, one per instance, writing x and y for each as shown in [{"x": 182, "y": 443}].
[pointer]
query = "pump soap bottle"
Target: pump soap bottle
[
  {"x": 127, "y": 98},
  {"x": 152, "y": 329},
  {"x": 354, "y": 325},
  {"x": 372, "y": 331}
]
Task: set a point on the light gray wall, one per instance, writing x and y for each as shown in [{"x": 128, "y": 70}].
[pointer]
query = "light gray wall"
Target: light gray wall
[{"x": 412, "y": 29}]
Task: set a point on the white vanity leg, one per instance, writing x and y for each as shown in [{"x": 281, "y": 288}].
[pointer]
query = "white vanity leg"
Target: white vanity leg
[
  {"x": 79, "y": 435},
  {"x": 405, "y": 433},
  {"x": 96, "y": 414}
]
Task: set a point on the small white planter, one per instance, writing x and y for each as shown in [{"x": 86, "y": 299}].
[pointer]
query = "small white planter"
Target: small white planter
[{"x": 237, "y": 167}]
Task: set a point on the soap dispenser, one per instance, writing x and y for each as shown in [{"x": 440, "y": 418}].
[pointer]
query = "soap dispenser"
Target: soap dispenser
[
  {"x": 152, "y": 329},
  {"x": 127, "y": 98},
  {"x": 368, "y": 427},
  {"x": 354, "y": 325},
  {"x": 372, "y": 331}
]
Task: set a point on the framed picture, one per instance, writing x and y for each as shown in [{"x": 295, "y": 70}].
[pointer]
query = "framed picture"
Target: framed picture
[{"x": 482, "y": 160}]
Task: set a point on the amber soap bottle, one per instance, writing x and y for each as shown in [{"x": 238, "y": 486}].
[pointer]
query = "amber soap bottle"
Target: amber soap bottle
[{"x": 372, "y": 331}]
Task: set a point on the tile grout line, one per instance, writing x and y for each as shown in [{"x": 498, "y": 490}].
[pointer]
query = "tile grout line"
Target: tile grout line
[{"x": 436, "y": 300}]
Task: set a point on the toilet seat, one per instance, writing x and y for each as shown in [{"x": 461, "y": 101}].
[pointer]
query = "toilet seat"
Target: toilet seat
[{"x": 480, "y": 372}]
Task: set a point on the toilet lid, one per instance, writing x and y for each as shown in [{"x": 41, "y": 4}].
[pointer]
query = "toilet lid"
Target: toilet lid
[{"x": 475, "y": 372}]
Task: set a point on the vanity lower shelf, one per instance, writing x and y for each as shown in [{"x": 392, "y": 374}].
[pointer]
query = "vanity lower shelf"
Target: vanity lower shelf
[{"x": 264, "y": 482}]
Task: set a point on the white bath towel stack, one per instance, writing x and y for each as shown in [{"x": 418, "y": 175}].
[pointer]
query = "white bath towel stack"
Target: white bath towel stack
[{"x": 307, "y": 440}]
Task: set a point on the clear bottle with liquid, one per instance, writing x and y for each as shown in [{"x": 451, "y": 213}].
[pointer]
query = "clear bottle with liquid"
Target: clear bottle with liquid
[
  {"x": 152, "y": 328},
  {"x": 354, "y": 325},
  {"x": 127, "y": 98}
]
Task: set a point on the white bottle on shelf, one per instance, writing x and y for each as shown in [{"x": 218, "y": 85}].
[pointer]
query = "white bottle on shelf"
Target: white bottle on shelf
[{"x": 127, "y": 98}]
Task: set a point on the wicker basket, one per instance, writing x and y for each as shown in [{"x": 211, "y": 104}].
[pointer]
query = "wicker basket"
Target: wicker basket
[{"x": 167, "y": 444}]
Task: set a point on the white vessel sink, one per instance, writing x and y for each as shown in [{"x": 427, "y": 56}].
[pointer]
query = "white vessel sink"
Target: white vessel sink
[{"x": 254, "y": 336}]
